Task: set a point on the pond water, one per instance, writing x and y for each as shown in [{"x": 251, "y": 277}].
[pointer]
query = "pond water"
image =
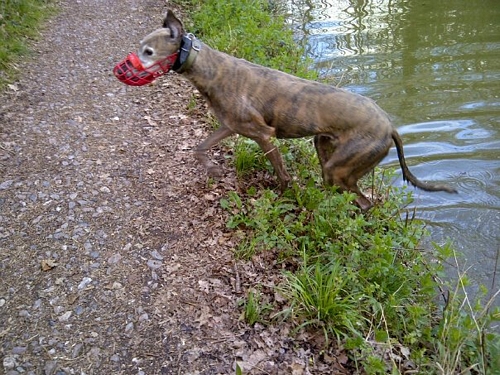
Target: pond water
[{"x": 434, "y": 66}]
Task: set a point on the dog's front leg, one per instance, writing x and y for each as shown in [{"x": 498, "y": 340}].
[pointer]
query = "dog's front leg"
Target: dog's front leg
[
  {"x": 274, "y": 156},
  {"x": 200, "y": 152}
]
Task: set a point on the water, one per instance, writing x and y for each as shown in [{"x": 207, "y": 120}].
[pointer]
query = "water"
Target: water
[{"x": 435, "y": 67}]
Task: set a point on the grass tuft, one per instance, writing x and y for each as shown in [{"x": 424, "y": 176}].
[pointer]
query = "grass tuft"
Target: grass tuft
[{"x": 20, "y": 21}]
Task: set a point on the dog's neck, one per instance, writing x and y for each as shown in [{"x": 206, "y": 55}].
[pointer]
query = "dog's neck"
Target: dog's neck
[{"x": 188, "y": 52}]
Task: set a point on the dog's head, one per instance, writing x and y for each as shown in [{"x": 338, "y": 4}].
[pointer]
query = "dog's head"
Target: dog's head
[
  {"x": 161, "y": 43},
  {"x": 158, "y": 53}
]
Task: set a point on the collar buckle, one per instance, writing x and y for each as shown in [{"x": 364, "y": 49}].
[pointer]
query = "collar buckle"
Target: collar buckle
[{"x": 189, "y": 50}]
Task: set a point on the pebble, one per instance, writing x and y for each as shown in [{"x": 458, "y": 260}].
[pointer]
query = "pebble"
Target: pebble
[
  {"x": 77, "y": 350},
  {"x": 18, "y": 349},
  {"x": 84, "y": 283},
  {"x": 50, "y": 367},
  {"x": 79, "y": 310},
  {"x": 154, "y": 264},
  {"x": 9, "y": 362},
  {"x": 24, "y": 313},
  {"x": 129, "y": 327},
  {"x": 6, "y": 184},
  {"x": 65, "y": 317},
  {"x": 115, "y": 258},
  {"x": 155, "y": 254}
]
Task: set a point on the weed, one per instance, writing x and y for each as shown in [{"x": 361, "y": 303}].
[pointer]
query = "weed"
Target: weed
[
  {"x": 462, "y": 340},
  {"x": 19, "y": 22},
  {"x": 254, "y": 308},
  {"x": 319, "y": 298}
]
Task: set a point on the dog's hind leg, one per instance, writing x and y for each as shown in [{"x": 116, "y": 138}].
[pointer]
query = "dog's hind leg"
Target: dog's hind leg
[
  {"x": 346, "y": 163},
  {"x": 201, "y": 151},
  {"x": 325, "y": 146}
]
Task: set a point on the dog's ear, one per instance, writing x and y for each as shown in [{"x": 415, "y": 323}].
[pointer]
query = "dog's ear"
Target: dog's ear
[{"x": 172, "y": 22}]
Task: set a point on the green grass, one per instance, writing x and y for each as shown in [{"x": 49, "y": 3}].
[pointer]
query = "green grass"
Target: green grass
[
  {"x": 363, "y": 280},
  {"x": 20, "y": 21}
]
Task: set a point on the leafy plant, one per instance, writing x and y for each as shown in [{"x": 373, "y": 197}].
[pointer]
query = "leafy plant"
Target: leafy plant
[
  {"x": 463, "y": 341},
  {"x": 19, "y": 21},
  {"x": 319, "y": 298},
  {"x": 254, "y": 309}
]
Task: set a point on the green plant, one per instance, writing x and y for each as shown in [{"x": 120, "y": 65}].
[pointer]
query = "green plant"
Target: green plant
[
  {"x": 462, "y": 340},
  {"x": 248, "y": 157},
  {"x": 319, "y": 298},
  {"x": 19, "y": 22},
  {"x": 254, "y": 309}
]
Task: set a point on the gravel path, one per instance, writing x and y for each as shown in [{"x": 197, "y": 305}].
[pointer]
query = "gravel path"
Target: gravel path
[{"x": 114, "y": 257}]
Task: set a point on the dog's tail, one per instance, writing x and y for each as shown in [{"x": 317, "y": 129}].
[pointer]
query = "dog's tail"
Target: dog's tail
[{"x": 408, "y": 176}]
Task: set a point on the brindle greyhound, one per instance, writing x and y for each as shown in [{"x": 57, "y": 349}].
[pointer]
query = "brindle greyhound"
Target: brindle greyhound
[{"x": 351, "y": 133}]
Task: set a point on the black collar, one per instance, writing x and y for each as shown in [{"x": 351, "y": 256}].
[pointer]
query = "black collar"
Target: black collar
[{"x": 190, "y": 46}]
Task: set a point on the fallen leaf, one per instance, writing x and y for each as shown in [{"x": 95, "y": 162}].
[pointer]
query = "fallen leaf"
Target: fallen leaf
[
  {"x": 13, "y": 87},
  {"x": 48, "y": 264}
]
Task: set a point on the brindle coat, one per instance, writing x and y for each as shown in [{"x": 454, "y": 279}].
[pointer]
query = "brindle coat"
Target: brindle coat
[{"x": 352, "y": 134}]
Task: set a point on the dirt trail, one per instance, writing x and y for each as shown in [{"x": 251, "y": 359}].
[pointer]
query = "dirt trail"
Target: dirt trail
[{"x": 114, "y": 258}]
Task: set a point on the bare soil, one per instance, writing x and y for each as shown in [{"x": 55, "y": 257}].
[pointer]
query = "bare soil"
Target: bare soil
[{"x": 114, "y": 255}]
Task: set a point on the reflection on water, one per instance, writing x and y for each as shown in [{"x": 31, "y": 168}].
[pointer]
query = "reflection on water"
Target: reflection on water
[{"x": 435, "y": 67}]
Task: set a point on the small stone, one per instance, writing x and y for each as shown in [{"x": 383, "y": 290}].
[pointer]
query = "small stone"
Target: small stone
[
  {"x": 115, "y": 258},
  {"x": 65, "y": 317},
  {"x": 37, "y": 304},
  {"x": 9, "y": 362},
  {"x": 2, "y": 302},
  {"x": 156, "y": 255},
  {"x": 143, "y": 317},
  {"x": 6, "y": 184},
  {"x": 58, "y": 309},
  {"x": 77, "y": 350},
  {"x": 18, "y": 350},
  {"x": 50, "y": 367},
  {"x": 115, "y": 358},
  {"x": 79, "y": 310},
  {"x": 105, "y": 189},
  {"x": 83, "y": 284},
  {"x": 154, "y": 264},
  {"x": 129, "y": 327},
  {"x": 24, "y": 313}
]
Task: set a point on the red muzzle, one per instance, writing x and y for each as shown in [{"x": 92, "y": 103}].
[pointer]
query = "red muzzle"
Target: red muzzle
[{"x": 131, "y": 71}]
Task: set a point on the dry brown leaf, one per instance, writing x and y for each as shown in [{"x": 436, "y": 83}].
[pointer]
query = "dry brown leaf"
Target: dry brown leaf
[{"x": 48, "y": 264}]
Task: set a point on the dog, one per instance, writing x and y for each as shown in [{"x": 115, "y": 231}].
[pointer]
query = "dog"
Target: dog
[{"x": 352, "y": 134}]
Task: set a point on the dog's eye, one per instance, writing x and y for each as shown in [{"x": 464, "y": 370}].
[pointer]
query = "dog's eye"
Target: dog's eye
[{"x": 148, "y": 52}]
